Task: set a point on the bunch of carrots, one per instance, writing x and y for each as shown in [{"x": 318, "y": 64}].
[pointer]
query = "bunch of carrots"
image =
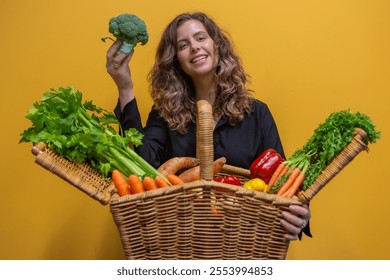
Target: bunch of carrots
[
  {"x": 135, "y": 184},
  {"x": 289, "y": 176}
]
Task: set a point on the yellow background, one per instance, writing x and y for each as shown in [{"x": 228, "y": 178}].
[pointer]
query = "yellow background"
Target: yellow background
[{"x": 306, "y": 58}]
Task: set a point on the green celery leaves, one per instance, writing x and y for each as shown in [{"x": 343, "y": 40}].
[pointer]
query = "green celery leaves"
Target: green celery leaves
[{"x": 83, "y": 132}]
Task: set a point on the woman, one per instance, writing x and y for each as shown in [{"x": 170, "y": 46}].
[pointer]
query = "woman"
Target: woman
[{"x": 195, "y": 60}]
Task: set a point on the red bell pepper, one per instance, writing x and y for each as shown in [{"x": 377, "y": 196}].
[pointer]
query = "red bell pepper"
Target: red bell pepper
[
  {"x": 231, "y": 179},
  {"x": 265, "y": 165}
]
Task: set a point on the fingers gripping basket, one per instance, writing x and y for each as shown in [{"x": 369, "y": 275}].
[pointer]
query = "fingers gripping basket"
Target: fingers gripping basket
[{"x": 198, "y": 220}]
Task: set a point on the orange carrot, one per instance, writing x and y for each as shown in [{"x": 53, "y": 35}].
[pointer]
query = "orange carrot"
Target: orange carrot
[
  {"x": 291, "y": 178},
  {"x": 149, "y": 183},
  {"x": 295, "y": 186},
  {"x": 284, "y": 171},
  {"x": 174, "y": 179},
  {"x": 135, "y": 184},
  {"x": 160, "y": 182},
  {"x": 276, "y": 175},
  {"x": 120, "y": 183}
]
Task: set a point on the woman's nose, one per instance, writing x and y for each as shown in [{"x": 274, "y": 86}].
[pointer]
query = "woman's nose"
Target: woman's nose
[{"x": 195, "y": 48}]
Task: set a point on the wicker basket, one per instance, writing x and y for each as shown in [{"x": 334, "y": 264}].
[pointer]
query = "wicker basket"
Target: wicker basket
[{"x": 198, "y": 220}]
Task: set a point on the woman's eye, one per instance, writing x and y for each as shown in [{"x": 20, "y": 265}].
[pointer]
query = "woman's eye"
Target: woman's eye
[{"x": 182, "y": 45}]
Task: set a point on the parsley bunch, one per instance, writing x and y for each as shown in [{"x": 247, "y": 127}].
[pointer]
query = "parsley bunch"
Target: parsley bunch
[
  {"x": 83, "y": 132},
  {"x": 330, "y": 137}
]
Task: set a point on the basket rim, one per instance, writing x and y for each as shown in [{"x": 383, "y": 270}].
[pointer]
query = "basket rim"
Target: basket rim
[{"x": 209, "y": 184}]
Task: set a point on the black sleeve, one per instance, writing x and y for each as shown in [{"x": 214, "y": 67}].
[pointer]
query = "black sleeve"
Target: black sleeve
[
  {"x": 130, "y": 116},
  {"x": 269, "y": 130},
  {"x": 306, "y": 231}
]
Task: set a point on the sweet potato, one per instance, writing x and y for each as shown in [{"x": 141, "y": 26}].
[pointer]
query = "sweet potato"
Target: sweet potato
[
  {"x": 193, "y": 174},
  {"x": 173, "y": 165}
]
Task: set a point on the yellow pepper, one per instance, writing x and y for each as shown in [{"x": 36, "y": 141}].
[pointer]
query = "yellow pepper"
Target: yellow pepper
[{"x": 256, "y": 184}]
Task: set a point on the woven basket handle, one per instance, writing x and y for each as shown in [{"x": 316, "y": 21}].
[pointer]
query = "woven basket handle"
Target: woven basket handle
[
  {"x": 204, "y": 140},
  {"x": 356, "y": 146}
]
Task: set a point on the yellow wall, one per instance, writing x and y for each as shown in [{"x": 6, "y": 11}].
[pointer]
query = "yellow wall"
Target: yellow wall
[{"x": 306, "y": 58}]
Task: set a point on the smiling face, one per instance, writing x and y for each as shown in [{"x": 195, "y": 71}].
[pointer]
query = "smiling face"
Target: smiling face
[{"x": 196, "y": 50}]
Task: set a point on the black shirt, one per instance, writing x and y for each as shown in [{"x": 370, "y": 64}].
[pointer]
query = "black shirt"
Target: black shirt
[{"x": 240, "y": 144}]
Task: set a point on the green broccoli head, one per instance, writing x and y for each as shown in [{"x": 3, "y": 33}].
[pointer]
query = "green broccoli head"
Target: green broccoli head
[{"x": 130, "y": 29}]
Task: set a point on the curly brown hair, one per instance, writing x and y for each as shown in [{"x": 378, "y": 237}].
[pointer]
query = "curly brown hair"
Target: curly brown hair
[{"x": 172, "y": 90}]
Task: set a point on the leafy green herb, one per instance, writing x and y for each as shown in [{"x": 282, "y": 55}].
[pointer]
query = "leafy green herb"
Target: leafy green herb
[
  {"x": 330, "y": 137},
  {"x": 83, "y": 132}
]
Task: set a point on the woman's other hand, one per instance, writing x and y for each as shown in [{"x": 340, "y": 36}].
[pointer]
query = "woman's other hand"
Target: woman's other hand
[{"x": 295, "y": 220}]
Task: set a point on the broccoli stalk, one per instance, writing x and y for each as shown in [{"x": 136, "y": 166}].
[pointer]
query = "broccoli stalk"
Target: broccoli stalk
[{"x": 129, "y": 29}]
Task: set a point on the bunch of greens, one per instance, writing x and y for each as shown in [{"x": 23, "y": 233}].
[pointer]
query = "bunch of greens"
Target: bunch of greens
[
  {"x": 327, "y": 141},
  {"x": 83, "y": 132},
  {"x": 331, "y": 137}
]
